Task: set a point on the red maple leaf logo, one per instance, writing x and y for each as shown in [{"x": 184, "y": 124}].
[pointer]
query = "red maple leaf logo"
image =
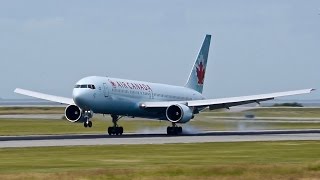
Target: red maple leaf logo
[
  {"x": 112, "y": 83},
  {"x": 200, "y": 73}
]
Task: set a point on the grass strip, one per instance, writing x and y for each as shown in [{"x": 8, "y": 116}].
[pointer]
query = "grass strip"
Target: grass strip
[{"x": 241, "y": 160}]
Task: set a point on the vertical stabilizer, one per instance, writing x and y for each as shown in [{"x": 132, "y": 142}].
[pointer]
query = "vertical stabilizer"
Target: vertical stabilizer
[{"x": 197, "y": 74}]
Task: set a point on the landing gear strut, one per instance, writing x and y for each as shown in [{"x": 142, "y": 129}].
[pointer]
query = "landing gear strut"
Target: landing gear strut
[
  {"x": 115, "y": 129},
  {"x": 174, "y": 129},
  {"x": 87, "y": 116}
]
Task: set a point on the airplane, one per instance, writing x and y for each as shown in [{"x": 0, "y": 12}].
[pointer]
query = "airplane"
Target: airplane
[{"x": 130, "y": 98}]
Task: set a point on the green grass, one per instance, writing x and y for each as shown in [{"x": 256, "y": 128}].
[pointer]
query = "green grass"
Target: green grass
[
  {"x": 54, "y": 126},
  {"x": 271, "y": 112},
  {"x": 241, "y": 160},
  {"x": 202, "y": 121},
  {"x": 31, "y": 110},
  {"x": 47, "y": 126}
]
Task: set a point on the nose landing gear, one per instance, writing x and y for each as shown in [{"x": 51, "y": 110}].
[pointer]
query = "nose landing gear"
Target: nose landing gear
[
  {"x": 87, "y": 116},
  {"x": 87, "y": 124},
  {"x": 115, "y": 129}
]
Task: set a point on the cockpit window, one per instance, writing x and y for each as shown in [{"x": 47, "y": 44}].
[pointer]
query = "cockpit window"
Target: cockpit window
[{"x": 90, "y": 86}]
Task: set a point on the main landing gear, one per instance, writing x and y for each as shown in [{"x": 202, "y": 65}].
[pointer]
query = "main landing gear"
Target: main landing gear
[
  {"x": 174, "y": 129},
  {"x": 115, "y": 129},
  {"x": 87, "y": 116}
]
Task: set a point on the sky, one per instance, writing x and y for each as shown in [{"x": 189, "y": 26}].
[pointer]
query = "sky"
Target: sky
[{"x": 256, "y": 47}]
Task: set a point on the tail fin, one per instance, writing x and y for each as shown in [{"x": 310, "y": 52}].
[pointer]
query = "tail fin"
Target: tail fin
[{"x": 197, "y": 74}]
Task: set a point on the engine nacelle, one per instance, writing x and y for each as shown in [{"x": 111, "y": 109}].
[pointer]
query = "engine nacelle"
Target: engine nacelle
[
  {"x": 74, "y": 114},
  {"x": 179, "y": 113}
]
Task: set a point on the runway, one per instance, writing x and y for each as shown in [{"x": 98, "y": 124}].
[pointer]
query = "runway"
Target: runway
[{"x": 102, "y": 139}]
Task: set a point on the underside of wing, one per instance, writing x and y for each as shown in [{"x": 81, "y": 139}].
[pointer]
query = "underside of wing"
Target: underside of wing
[
  {"x": 58, "y": 99},
  {"x": 226, "y": 102}
]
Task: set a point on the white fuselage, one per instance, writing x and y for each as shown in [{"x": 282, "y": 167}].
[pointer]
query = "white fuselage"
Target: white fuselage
[{"x": 106, "y": 95}]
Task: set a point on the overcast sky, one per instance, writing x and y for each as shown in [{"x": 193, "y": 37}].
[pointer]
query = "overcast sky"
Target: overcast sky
[{"x": 257, "y": 46}]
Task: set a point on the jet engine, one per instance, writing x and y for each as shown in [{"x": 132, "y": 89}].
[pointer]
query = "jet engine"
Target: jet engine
[
  {"x": 179, "y": 113},
  {"x": 74, "y": 114}
]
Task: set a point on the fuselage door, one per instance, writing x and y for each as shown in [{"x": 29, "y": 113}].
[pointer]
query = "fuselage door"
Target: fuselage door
[
  {"x": 151, "y": 94},
  {"x": 105, "y": 90}
]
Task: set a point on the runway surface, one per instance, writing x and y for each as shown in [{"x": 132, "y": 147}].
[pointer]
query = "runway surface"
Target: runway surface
[{"x": 102, "y": 139}]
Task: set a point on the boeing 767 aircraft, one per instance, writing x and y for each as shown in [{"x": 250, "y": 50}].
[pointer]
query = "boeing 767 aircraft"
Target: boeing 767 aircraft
[{"x": 122, "y": 97}]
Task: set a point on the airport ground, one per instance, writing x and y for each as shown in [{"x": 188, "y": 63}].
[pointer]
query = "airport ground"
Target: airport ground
[
  {"x": 215, "y": 160},
  {"x": 265, "y": 118},
  {"x": 241, "y": 160}
]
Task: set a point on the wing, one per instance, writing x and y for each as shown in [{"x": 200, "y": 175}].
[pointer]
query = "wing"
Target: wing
[
  {"x": 225, "y": 102},
  {"x": 62, "y": 100}
]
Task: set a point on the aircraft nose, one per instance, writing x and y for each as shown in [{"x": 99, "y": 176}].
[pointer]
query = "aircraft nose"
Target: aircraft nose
[{"x": 80, "y": 97}]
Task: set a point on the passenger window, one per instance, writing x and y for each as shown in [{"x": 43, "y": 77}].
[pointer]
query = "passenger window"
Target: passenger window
[
  {"x": 83, "y": 86},
  {"x": 77, "y": 86}
]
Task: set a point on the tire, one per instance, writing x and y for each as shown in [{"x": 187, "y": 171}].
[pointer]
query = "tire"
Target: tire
[
  {"x": 179, "y": 130},
  {"x": 110, "y": 131},
  {"x": 120, "y": 130},
  {"x": 175, "y": 131},
  {"x": 85, "y": 124},
  {"x": 90, "y": 124},
  {"x": 169, "y": 130}
]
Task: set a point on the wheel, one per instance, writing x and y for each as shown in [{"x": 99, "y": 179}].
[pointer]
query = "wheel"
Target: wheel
[
  {"x": 85, "y": 124},
  {"x": 116, "y": 130},
  {"x": 110, "y": 131},
  {"x": 90, "y": 124},
  {"x": 169, "y": 130},
  {"x": 113, "y": 130},
  {"x": 120, "y": 130},
  {"x": 179, "y": 130},
  {"x": 175, "y": 130}
]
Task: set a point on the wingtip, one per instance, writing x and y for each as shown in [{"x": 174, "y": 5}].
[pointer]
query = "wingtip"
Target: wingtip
[{"x": 16, "y": 90}]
